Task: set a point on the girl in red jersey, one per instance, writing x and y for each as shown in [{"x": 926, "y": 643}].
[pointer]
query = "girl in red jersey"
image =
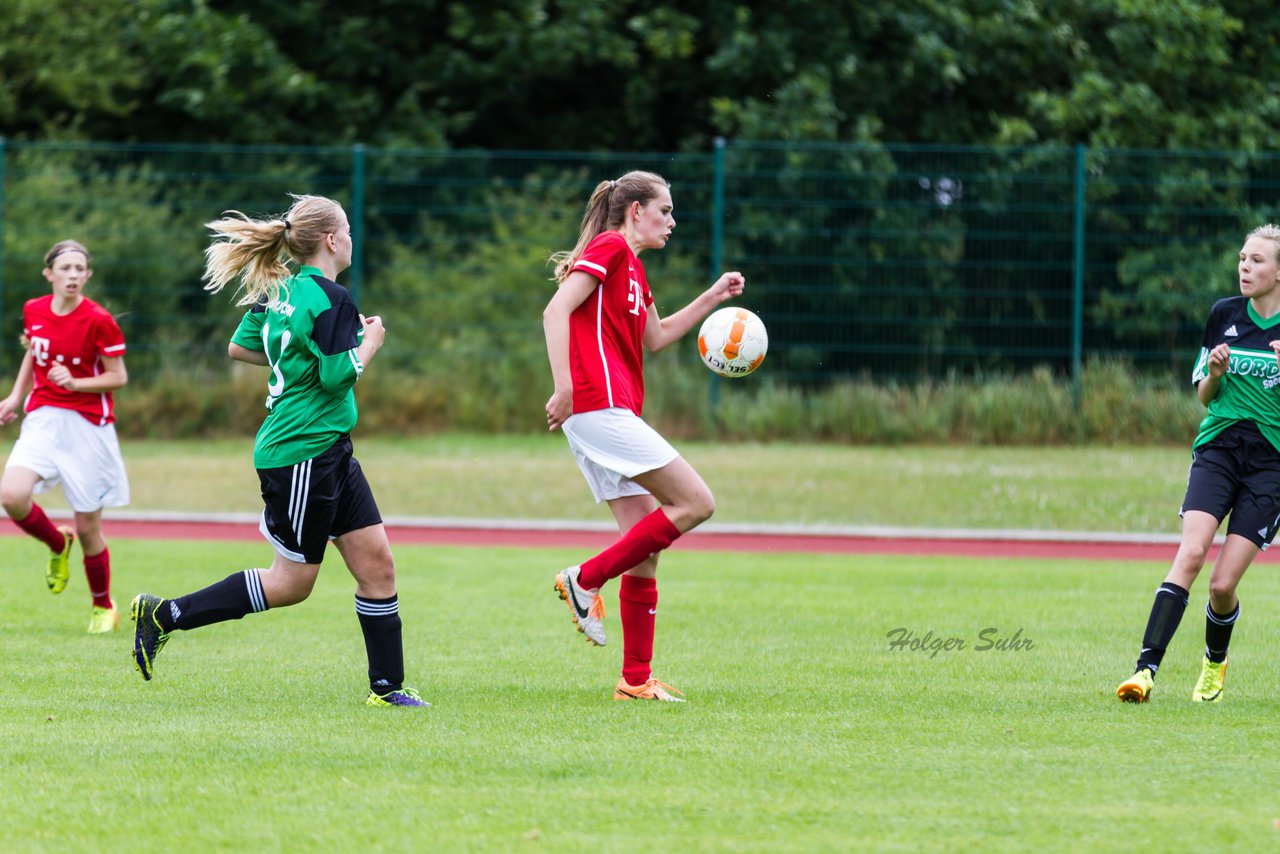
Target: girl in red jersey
[
  {"x": 597, "y": 326},
  {"x": 74, "y": 360}
]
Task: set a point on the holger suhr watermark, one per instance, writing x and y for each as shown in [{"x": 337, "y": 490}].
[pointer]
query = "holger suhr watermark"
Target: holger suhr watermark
[{"x": 990, "y": 639}]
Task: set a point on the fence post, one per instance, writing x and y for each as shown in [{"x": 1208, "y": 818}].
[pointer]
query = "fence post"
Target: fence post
[
  {"x": 357, "y": 222},
  {"x": 717, "y": 244},
  {"x": 1077, "y": 276}
]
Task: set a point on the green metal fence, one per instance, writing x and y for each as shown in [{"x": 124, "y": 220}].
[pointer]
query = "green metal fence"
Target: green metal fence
[{"x": 885, "y": 262}]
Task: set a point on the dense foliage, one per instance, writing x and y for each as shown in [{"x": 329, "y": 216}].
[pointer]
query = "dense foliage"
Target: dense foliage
[{"x": 630, "y": 75}]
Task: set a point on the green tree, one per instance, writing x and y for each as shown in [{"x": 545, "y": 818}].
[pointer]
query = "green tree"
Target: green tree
[
  {"x": 626, "y": 75},
  {"x": 58, "y": 75}
]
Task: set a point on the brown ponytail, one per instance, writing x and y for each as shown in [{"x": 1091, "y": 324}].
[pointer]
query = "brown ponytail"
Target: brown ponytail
[{"x": 605, "y": 210}]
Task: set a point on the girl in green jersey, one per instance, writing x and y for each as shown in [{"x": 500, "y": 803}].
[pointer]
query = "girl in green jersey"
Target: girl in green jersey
[
  {"x": 306, "y": 329},
  {"x": 1235, "y": 469}
]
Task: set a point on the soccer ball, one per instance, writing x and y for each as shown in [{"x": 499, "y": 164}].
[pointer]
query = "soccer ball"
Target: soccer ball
[{"x": 732, "y": 342}]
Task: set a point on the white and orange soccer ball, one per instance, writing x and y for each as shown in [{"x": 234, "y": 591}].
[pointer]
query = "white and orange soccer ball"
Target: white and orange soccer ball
[{"x": 732, "y": 342}]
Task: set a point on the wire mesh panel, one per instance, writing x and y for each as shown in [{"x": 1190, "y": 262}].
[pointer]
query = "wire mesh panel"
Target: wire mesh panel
[
  {"x": 867, "y": 261},
  {"x": 1165, "y": 229},
  {"x": 141, "y": 210},
  {"x": 896, "y": 262}
]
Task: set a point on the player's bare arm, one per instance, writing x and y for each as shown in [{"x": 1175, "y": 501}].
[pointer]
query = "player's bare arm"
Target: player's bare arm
[
  {"x": 113, "y": 376},
  {"x": 244, "y": 354},
  {"x": 11, "y": 406},
  {"x": 661, "y": 332},
  {"x": 1207, "y": 388},
  {"x": 374, "y": 336},
  {"x": 576, "y": 287}
]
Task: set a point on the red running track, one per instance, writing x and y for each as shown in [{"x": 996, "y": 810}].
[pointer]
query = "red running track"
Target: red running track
[{"x": 764, "y": 541}]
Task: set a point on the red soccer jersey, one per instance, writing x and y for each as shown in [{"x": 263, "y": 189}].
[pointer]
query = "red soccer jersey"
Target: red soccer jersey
[
  {"x": 78, "y": 340},
  {"x": 606, "y": 332}
]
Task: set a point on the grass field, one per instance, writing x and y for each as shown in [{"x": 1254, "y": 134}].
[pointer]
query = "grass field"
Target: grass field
[
  {"x": 804, "y": 730},
  {"x": 1121, "y": 489}
]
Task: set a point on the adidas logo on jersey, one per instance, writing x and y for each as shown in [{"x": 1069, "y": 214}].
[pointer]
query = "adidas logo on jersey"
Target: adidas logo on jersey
[{"x": 1231, "y": 330}]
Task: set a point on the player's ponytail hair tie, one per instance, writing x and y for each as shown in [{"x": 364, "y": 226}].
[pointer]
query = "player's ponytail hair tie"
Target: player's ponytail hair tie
[
  {"x": 287, "y": 224},
  {"x": 613, "y": 185}
]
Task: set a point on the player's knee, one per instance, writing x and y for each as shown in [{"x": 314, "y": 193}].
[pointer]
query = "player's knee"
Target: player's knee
[
  {"x": 702, "y": 508},
  {"x": 386, "y": 577},
  {"x": 1191, "y": 556},
  {"x": 377, "y": 578},
  {"x": 16, "y": 503},
  {"x": 1222, "y": 590},
  {"x": 90, "y": 535},
  {"x": 285, "y": 588},
  {"x": 283, "y": 597}
]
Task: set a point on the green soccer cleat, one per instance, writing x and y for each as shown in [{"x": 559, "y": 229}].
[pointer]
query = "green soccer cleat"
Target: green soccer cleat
[
  {"x": 103, "y": 620},
  {"x": 404, "y": 697},
  {"x": 148, "y": 637},
  {"x": 1209, "y": 688},
  {"x": 1137, "y": 688},
  {"x": 59, "y": 569}
]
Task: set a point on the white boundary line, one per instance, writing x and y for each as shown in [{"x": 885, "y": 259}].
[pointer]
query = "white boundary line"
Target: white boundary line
[{"x": 853, "y": 531}]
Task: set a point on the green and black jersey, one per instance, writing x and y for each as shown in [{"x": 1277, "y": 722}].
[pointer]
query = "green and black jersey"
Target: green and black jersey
[
  {"x": 1250, "y": 389},
  {"x": 309, "y": 334}
]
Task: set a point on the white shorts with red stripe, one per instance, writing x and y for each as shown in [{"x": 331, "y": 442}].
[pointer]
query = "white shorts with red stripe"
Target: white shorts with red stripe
[
  {"x": 61, "y": 445},
  {"x": 612, "y": 446}
]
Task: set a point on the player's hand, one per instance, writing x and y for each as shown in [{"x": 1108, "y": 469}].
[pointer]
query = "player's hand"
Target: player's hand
[
  {"x": 1275, "y": 348},
  {"x": 61, "y": 375},
  {"x": 728, "y": 286},
  {"x": 1219, "y": 358},
  {"x": 8, "y": 410},
  {"x": 559, "y": 408},
  {"x": 374, "y": 332}
]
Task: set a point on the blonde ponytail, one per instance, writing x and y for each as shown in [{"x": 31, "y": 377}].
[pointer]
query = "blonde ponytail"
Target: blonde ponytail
[{"x": 255, "y": 250}]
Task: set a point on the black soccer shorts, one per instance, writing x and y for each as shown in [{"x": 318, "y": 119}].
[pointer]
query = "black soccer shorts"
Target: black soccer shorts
[
  {"x": 1237, "y": 473},
  {"x": 307, "y": 504}
]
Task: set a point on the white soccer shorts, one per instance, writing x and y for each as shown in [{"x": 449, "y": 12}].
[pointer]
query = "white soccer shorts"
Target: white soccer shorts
[
  {"x": 62, "y": 446},
  {"x": 612, "y": 446}
]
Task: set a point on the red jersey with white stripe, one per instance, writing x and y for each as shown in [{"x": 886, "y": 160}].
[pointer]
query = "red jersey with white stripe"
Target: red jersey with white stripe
[
  {"x": 79, "y": 340},
  {"x": 606, "y": 332}
]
